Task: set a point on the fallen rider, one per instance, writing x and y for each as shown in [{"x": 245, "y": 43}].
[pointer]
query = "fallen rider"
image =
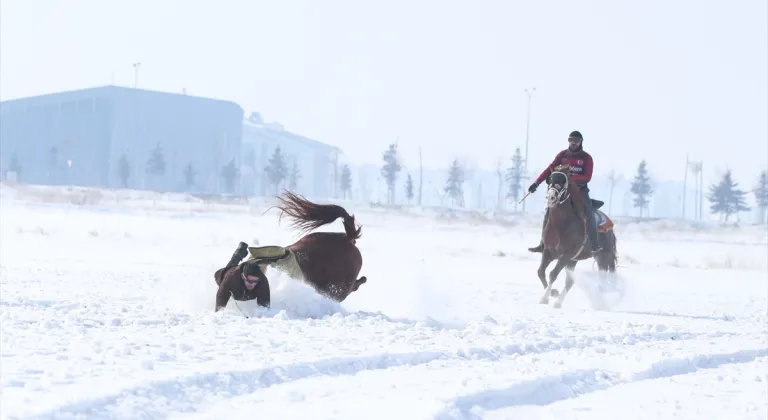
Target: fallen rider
[{"x": 243, "y": 282}]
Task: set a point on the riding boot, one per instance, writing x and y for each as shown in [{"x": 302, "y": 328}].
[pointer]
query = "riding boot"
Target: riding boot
[
  {"x": 540, "y": 246},
  {"x": 591, "y": 226},
  {"x": 240, "y": 253}
]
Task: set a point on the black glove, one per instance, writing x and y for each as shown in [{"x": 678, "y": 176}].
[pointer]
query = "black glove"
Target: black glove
[{"x": 532, "y": 188}]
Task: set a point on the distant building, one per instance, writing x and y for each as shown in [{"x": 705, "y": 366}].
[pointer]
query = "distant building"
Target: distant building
[
  {"x": 318, "y": 163},
  {"x": 89, "y": 137}
]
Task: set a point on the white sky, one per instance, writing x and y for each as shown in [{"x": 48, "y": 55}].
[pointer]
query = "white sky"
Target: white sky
[{"x": 640, "y": 79}]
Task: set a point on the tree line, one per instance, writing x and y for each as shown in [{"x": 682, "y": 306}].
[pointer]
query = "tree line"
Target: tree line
[
  {"x": 725, "y": 197},
  {"x": 157, "y": 167}
]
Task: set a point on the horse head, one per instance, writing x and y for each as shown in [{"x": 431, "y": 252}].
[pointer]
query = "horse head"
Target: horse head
[{"x": 558, "y": 190}]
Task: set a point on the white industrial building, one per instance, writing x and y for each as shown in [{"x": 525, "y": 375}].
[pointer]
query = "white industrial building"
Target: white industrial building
[{"x": 317, "y": 162}]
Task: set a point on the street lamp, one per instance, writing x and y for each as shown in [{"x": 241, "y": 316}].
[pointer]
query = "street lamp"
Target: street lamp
[
  {"x": 527, "y": 131},
  {"x": 136, "y": 75}
]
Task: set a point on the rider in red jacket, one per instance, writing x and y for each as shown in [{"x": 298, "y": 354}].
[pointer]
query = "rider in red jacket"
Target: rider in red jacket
[{"x": 581, "y": 173}]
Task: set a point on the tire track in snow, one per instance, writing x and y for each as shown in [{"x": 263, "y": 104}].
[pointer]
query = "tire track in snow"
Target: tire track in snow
[
  {"x": 159, "y": 399},
  {"x": 550, "y": 389}
]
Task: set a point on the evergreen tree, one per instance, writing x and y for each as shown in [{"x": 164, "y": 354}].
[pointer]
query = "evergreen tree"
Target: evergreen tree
[
  {"x": 249, "y": 160},
  {"x": 409, "y": 188},
  {"x": 725, "y": 199},
  {"x": 189, "y": 175},
  {"x": 761, "y": 196},
  {"x": 293, "y": 179},
  {"x": 641, "y": 188},
  {"x": 276, "y": 169},
  {"x": 156, "y": 165},
  {"x": 124, "y": 169},
  {"x": 346, "y": 181},
  {"x": 390, "y": 170},
  {"x": 156, "y": 162},
  {"x": 15, "y": 166},
  {"x": 454, "y": 185},
  {"x": 230, "y": 172},
  {"x": 514, "y": 177}
]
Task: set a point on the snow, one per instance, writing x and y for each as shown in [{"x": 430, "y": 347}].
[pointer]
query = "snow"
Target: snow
[{"x": 106, "y": 311}]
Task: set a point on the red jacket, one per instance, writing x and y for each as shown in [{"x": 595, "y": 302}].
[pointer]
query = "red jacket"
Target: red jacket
[{"x": 581, "y": 166}]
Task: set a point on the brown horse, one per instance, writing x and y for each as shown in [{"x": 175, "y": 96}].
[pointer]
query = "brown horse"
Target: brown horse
[
  {"x": 327, "y": 261},
  {"x": 565, "y": 234}
]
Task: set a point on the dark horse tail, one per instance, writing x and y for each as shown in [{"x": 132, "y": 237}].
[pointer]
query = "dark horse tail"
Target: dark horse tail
[{"x": 308, "y": 215}]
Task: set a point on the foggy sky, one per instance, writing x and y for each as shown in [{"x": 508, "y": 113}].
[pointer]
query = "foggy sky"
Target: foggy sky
[{"x": 652, "y": 79}]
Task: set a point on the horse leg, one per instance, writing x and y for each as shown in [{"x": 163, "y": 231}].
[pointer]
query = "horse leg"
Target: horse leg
[
  {"x": 546, "y": 259},
  {"x": 552, "y": 277},
  {"x": 568, "y": 283}
]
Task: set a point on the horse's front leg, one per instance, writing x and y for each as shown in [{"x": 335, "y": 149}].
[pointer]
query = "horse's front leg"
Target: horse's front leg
[
  {"x": 552, "y": 277},
  {"x": 546, "y": 259},
  {"x": 568, "y": 283}
]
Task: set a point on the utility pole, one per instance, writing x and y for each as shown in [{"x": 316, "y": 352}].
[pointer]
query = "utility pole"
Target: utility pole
[
  {"x": 421, "y": 175},
  {"x": 701, "y": 187},
  {"x": 527, "y": 132},
  {"x": 613, "y": 178},
  {"x": 685, "y": 181},
  {"x": 136, "y": 75},
  {"x": 695, "y": 168}
]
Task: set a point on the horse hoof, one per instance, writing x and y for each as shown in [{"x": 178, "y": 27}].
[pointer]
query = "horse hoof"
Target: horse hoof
[
  {"x": 554, "y": 293},
  {"x": 558, "y": 305},
  {"x": 544, "y": 300}
]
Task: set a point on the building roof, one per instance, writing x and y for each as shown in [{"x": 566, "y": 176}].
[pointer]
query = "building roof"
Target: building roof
[
  {"x": 112, "y": 89},
  {"x": 278, "y": 135}
]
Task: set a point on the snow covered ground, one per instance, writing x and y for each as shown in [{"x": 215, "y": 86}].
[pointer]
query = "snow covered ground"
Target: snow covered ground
[{"x": 107, "y": 313}]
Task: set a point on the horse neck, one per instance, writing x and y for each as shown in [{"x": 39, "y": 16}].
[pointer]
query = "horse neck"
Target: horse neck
[
  {"x": 563, "y": 212},
  {"x": 568, "y": 209}
]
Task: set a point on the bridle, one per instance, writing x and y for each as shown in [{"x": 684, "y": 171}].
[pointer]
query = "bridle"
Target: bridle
[{"x": 561, "y": 194}]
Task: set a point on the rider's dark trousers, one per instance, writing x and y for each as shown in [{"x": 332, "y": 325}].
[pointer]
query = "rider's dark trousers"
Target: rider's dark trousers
[{"x": 588, "y": 210}]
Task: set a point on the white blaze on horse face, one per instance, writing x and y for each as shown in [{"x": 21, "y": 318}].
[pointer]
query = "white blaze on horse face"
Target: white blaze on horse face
[{"x": 551, "y": 197}]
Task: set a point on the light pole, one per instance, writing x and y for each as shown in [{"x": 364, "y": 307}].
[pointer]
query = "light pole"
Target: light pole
[
  {"x": 136, "y": 75},
  {"x": 527, "y": 132},
  {"x": 695, "y": 168}
]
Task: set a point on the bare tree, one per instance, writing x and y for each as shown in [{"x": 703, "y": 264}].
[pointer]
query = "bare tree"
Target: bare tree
[
  {"x": 421, "y": 175},
  {"x": 613, "y": 179},
  {"x": 500, "y": 188}
]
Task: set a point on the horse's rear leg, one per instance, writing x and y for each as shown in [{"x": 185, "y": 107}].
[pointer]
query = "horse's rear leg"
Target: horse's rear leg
[
  {"x": 552, "y": 277},
  {"x": 568, "y": 283}
]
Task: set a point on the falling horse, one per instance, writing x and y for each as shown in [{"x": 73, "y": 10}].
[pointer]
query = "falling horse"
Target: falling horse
[
  {"x": 565, "y": 234},
  {"x": 327, "y": 261}
]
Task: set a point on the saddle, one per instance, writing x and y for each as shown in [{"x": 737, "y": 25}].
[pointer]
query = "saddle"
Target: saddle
[
  {"x": 267, "y": 254},
  {"x": 602, "y": 221}
]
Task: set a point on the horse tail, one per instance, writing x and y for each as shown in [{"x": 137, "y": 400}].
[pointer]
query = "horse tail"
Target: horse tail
[{"x": 307, "y": 215}]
